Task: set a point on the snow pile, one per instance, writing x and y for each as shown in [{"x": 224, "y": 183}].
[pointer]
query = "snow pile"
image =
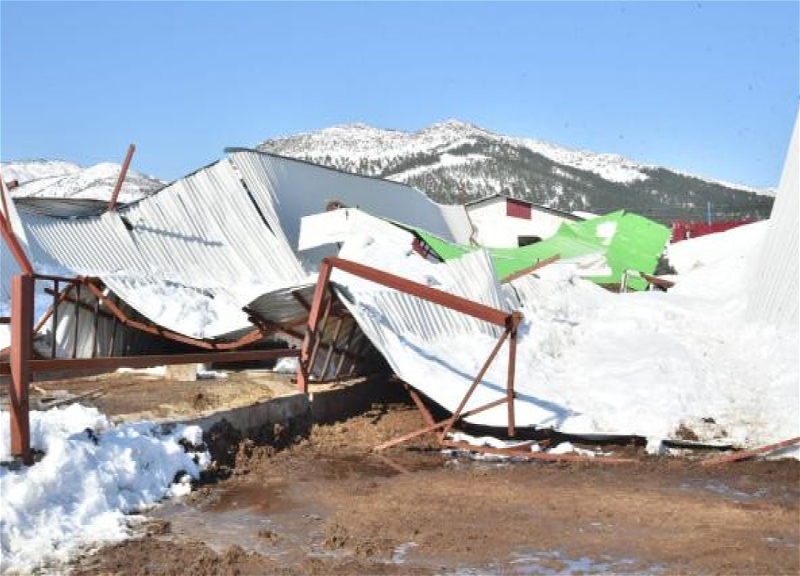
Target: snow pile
[
  {"x": 593, "y": 362},
  {"x": 91, "y": 475},
  {"x": 711, "y": 249}
]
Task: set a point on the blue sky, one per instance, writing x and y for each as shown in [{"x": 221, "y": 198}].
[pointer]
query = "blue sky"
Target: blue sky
[{"x": 710, "y": 87}]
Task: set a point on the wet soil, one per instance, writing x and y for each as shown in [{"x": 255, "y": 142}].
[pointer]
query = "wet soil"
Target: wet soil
[{"x": 327, "y": 505}]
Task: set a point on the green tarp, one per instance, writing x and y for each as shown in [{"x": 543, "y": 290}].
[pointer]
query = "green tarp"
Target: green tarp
[{"x": 628, "y": 242}]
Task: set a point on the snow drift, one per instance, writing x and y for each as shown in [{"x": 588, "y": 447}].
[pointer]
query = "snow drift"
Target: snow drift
[
  {"x": 91, "y": 476},
  {"x": 590, "y": 361}
]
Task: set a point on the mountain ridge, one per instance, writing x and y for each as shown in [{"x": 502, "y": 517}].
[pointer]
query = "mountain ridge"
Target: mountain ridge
[{"x": 456, "y": 161}]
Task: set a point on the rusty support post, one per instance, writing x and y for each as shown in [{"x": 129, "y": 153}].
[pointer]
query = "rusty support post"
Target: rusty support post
[
  {"x": 77, "y": 318},
  {"x": 515, "y": 319},
  {"x": 475, "y": 382},
  {"x": 529, "y": 269},
  {"x": 320, "y": 334},
  {"x": 113, "y": 335},
  {"x": 313, "y": 320},
  {"x": 56, "y": 298},
  {"x": 96, "y": 326},
  {"x": 121, "y": 178},
  {"x": 21, "y": 340}
]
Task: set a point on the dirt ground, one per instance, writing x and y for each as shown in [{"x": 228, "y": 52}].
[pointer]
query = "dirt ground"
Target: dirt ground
[
  {"x": 135, "y": 396},
  {"x": 328, "y": 506}
]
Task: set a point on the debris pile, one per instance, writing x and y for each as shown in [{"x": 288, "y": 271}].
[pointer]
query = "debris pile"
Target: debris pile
[{"x": 237, "y": 256}]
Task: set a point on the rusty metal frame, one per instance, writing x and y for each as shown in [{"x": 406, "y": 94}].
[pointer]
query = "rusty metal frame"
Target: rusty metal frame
[
  {"x": 745, "y": 454},
  {"x": 508, "y": 321},
  {"x": 529, "y": 269},
  {"x": 112, "y": 203},
  {"x": 114, "y": 362}
]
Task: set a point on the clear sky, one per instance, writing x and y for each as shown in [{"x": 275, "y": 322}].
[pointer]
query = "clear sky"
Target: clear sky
[{"x": 706, "y": 87}]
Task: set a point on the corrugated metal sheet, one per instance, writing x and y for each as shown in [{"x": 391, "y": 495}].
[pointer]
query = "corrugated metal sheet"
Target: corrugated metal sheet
[
  {"x": 190, "y": 256},
  {"x": 282, "y": 306},
  {"x": 774, "y": 296},
  {"x": 431, "y": 347},
  {"x": 294, "y": 189},
  {"x": 61, "y": 207}
]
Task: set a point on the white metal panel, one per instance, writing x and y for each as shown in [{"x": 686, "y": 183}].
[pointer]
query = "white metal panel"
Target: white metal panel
[
  {"x": 299, "y": 189},
  {"x": 774, "y": 293}
]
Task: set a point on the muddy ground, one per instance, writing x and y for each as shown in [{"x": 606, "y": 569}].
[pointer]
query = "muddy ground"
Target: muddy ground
[{"x": 326, "y": 505}]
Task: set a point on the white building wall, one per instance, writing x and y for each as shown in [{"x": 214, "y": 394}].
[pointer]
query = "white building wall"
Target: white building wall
[
  {"x": 497, "y": 230},
  {"x": 774, "y": 282}
]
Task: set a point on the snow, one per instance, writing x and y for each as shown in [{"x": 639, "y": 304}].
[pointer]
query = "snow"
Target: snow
[
  {"x": 286, "y": 366},
  {"x": 593, "y": 362},
  {"x": 58, "y": 179},
  {"x": 92, "y": 477},
  {"x": 606, "y": 231},
  {"x": 374, "y": 151},
  {"x": 26, "y": 171},
  {"x": 696, "y": 253}
]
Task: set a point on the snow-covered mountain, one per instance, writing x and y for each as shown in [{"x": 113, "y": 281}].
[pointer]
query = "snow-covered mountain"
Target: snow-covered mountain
[
  {"x": 456, "y": 161},
  {"x": 60, "y": 179}
]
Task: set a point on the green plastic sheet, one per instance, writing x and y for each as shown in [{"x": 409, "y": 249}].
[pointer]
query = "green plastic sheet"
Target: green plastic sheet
[{"x": 628, "y": 241}]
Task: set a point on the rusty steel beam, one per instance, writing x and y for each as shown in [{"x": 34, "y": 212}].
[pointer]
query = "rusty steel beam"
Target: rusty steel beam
[
  {"x": 77, "y": 303},
  {"x": 19, "y": 365},
  {"x": 321, "y": 332},
  {"x": 436, "y": 426},
  {"x": 311, "y": 329},
  {"x": 475, "y": 382},
  {"x": 744, "y": 454},
  {"x": 426, "y": 414},
  {"x": 113, "y": 362},
  {"x": 516, "y": 318},
  {"x": 249, "y": 338},
  {"x": 121, "y": 178},
  {"x": 529, "y": 269},
  {"x": 53, "y": 278},
  {"x": 451, "y": 301}
]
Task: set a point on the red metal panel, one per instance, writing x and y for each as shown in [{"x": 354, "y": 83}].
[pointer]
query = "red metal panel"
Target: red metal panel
[
  {"x": 518, "y": 209},
  {"x": 686, "y": 230}
]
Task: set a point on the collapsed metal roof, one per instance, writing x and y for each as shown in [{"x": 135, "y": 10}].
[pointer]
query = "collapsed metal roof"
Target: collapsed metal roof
[{"x": 192, "y": 255}]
